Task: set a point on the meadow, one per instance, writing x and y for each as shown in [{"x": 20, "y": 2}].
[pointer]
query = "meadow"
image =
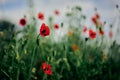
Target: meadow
[{"x": 74, "y": 56}]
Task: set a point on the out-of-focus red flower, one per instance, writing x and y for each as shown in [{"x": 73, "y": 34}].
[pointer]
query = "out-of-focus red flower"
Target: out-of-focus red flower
[
  {"x": 110, "y": 34},
  {"x": 56, "y": 12},
  {"x": 46, "y": 68},
  {"x": 92, "y": 34},
  {"x": 22, "y": 22},
  {"x": 56, "y": 26},
  {"x": 84, "y": 29},
  {"x": 74, "y": 47},
  {"x": 40, "y": 16},
  {"x": 94, "y": 20},
  {"x": 44, "y": 30},
  {"x": 101, "y": 32},
  {"x": 97, "y": 16}
]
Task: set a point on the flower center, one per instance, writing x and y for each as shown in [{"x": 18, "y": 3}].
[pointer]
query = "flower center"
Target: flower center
[{"x": 43, "y": 31}]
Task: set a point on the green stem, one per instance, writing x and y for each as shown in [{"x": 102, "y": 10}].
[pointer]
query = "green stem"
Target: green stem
[
  {"x": 5, "y": 73},
  {"x": 18, "y": 72},
  {"x": 45, "y": 77},
  {"x": 33, "y": 54}
]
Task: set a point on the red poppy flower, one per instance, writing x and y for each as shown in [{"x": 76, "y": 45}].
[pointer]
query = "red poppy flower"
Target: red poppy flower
[
  {"x": 46, "y": 68},
  {"x": 44, "y": 30},
  {"x": 40, "y": 16},
  {"x": 22, "y": 22},
  {"x": 94, "y": 20},
  {"x": 101, "y": 32},
  {"x": 56, "y": 26},
  {"x": 110, "y": 34},
  {"x": 92, "y": 34},
  {"x": 84, "y": 29},
  {"x": 56, "y": 12}
]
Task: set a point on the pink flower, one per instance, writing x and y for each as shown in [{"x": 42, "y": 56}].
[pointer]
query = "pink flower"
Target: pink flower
[
  {"x": 56, "y": 26},
  {"x": 56, "y": 12}
]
